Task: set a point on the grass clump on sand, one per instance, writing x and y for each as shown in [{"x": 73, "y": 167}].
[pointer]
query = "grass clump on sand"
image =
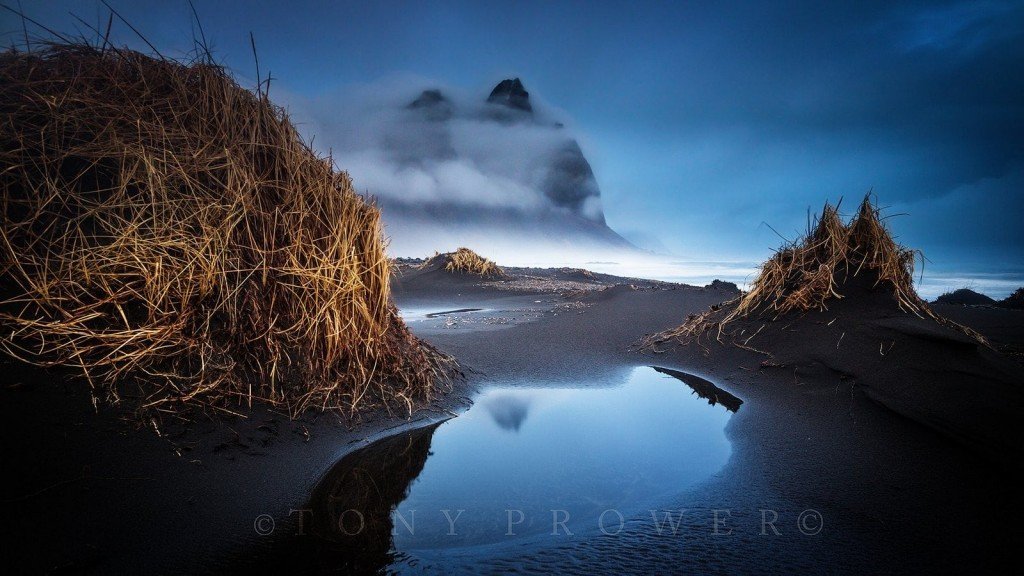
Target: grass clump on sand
[
  {"x": 165, "y": 227},
  {"x": 964, "y": 297},
  {"x": 468, "y": 262},
  {"x": 1015, "y": 300},
  {"x": 808, "y": 273}
]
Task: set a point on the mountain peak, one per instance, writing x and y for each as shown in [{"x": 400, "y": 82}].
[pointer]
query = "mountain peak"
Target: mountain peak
[
  {"x": 428, "y": 98},
  {"x": 433, "y": 104},
  {"x": 511, "y": 93}
]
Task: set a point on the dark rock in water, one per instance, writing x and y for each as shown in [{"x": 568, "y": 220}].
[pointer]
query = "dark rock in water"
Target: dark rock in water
[
  {"x": 433, "y": 104},
  {"x": 964, "y": 297},
  {"x": 1015, "y": 300},
  {"x": 511, "y": 93}
]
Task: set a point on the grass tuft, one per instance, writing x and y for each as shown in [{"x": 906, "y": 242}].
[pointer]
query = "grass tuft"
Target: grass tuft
[
  {"x": 1015, "y": 300},
  {"x": 163, "y": 226},
  {"x": 808, "y": 273},
  {"x": 466, "y": 261}
]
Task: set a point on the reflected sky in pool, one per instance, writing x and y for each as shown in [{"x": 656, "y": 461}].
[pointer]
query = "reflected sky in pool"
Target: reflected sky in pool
[{"x": 574, "y": 451}]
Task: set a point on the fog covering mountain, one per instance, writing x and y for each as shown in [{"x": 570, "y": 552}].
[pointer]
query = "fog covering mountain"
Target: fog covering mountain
[{"x": 491, "y": 172}]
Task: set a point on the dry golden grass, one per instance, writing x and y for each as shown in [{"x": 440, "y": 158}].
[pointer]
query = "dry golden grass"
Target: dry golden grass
[
  {"x": 468, "y": 262},
  {"x": 808, "y": 273},
  {"x": 166, "y": 227}
]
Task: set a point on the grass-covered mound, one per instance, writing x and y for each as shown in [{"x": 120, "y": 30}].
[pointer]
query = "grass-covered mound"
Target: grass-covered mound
[
  {"x": 810, "y": 272},
  {"x": 165, "y": 227},
  {"x": 836, "y": 314},
  {"x": 964, "y": 297},
  {"x": 1015, "y": 300},
  {"x": 466, "y": 261}
]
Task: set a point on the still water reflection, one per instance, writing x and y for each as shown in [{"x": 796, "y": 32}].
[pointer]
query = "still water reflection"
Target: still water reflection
[
  {"x": 531, "y": 457},
  {"x": 522, "y": 462}
]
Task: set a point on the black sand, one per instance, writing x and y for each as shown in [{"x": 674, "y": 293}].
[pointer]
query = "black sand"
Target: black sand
[{"x": 912, "y": 459}]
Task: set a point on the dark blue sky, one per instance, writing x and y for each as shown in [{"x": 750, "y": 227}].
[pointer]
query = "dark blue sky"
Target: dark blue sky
[{"x": 702, "y": 122}]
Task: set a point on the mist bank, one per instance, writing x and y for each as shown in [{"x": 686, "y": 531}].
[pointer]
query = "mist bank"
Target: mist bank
[
  {"x": 452, "y": 168},
  {"x": 506, "y": 175}
]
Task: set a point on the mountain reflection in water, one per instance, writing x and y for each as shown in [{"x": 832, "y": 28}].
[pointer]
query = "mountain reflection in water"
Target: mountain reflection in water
[{"x": 508, "y": 410}]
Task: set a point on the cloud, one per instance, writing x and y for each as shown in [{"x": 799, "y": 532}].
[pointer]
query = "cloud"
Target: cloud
[
  {"x": 969, "y": 219},
  {"x": 458, "y": 181},
  {"x": 448, "y": 148},
  {"x": 963, "y": 28}
]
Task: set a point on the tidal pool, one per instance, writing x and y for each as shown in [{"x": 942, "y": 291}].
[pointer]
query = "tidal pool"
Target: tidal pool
[
  {"x": 524, "y": 463},
  {"x": 420, "y": 314}
]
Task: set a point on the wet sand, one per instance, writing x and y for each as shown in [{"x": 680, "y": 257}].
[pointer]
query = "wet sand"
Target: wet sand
[
  {"x": 896, "y": 489},
  {"x": 913, "y": 463}
]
